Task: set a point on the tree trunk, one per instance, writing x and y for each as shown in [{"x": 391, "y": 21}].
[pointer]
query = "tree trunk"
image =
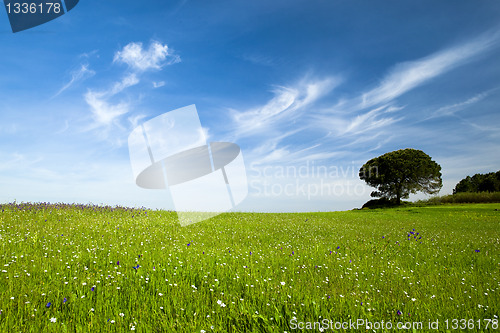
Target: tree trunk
[{"x": 398, "y": 195}]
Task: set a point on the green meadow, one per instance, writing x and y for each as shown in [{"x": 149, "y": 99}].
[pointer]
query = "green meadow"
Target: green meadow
[{"x": 75, "y": 268}]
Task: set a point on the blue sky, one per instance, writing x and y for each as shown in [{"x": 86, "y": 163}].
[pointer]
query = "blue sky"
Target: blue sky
[{"x": 310, "y": 90}]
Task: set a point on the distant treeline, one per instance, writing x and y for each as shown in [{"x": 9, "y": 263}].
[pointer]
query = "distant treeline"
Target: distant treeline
[
  {"x": 489, "y": 182},
  {"x": 462, "y": 197}
]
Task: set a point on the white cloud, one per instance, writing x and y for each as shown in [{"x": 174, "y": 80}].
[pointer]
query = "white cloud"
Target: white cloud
[
  {"x": 158, "y": 84},
  {"x": 374, "y": 111},
  {"x": 282, "y": 117},
  {"x": 409, "y": 75},
  {"x": 371, "y": 120},
  {"x": 258, "y": 117},
  {"x": 452, "y": 109},
  {"x": 364, "y": 125},
  {"x": 268, "y": 150},
  {"x": 128, "y": 81},
  {"x": 80, "y": 74},
  {"x": 104, "y": 112},
  {"x": 141, "y": 60},
  {"x": 285, "y": 103}
]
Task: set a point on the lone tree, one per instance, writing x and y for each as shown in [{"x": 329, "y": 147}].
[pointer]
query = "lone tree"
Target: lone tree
[{"x": 397, "y": 174}]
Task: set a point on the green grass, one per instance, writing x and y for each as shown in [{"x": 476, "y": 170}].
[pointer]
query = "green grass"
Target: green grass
[{"x": 245, "y": 272}]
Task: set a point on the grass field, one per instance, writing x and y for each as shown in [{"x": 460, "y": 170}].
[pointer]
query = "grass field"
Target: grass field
[{"x": 70, "y": 268}]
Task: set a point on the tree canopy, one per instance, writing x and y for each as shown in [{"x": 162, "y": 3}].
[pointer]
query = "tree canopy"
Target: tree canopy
[
  {"x": 489, "y": 182},
  {"x": 397, "y": 174}
]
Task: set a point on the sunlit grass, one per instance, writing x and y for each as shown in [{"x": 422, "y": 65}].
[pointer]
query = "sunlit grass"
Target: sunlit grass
[{"x": 115, "y": 269}]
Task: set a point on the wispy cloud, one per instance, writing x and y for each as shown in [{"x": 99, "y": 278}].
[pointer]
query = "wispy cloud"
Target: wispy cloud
[
  {"x": 409, "y": 75},
  {"x": 277, "y": 124},
  {"x": 158, "y": 84},
  {"x": 375, "y": 110},
  {"x": 371, "y": 120},
  {"x": 364, "y": 126},
  {"x": 364, "y": 123},
  {"x": 287, "y": 101},
  {"x": 127, "y": 81},
  {"x": 78, "y": 75},
  {"x": 15, "y": 161},
  {"x": 449, "y": 110},
  {"x": 104, "y": 111},
  {"x": 140, "y": 59},
  {"x": 249, "y": 120},
  {"x": 259, "y": 59}
]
